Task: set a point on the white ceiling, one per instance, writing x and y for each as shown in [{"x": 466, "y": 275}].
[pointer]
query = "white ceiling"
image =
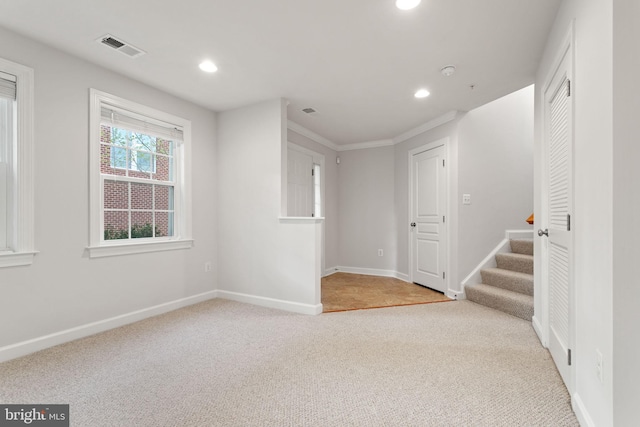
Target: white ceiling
[{"x": 357, "y": 62}]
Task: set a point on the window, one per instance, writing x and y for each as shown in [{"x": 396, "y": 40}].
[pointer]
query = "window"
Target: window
[
  {"x": 16, "y": 164},
  {"x": 139, "y": 184}
]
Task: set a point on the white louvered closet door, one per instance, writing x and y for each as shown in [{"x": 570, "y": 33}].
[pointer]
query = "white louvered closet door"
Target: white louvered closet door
[{"x": 560, "y": 207}]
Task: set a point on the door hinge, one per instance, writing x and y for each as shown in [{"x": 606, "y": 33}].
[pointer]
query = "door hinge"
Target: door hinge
[
  {"x": 442, "y": 162},
  {"x": 312, "y": 172},
  {"x": 443, "y": 275},
  {"x": 443, "y": 218},
  {"x": 568, "y": 222},
  {"x": 568, "y": 87},
  {"x": 569, "y": 357}
]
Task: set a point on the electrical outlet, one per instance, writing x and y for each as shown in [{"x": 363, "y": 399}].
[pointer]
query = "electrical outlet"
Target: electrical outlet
[
  {"x": 207, "y": 267},
  {"x": 380, "y": 252},
  {"x": 466, "y": 199},
  {"x": 599, "y": 370}
]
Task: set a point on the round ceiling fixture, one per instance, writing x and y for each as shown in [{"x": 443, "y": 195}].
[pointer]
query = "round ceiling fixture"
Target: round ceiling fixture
[
  {"x": 208, "y": 67},
  {"x": 422, "y": 93},
  {"x": 448, "y": 70},
  {"x": 407, "y": 4}
]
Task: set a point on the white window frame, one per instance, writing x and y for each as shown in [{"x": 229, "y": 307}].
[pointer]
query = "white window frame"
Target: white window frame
[
  {"x": 22, "y": 246},
  {"x": 98, "y": 247}
]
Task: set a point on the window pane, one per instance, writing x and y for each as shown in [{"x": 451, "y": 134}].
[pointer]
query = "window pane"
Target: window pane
[
  {"x": 116, "y": 225},
  {"x": 163, "y": 198},
  {"x": 164, "y": 224},
  {"x": 142, "y": 161},
  {"x": 116, "y": 195},
  {"x": 141, "y": 225},
  {"x": 141, "y": 196}
]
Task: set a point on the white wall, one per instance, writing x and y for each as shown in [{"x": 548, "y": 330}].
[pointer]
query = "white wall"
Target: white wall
[
  {"x": 64, "y": 288},
  {"x": 626, "y": 209},
  {"x": 495, "y": 166},
  {"x": 330, "y": 195},
  {"x": 261, "y": 259},
  {"x": 593, "y": 188},
  {"x": 367, "y": 218}
]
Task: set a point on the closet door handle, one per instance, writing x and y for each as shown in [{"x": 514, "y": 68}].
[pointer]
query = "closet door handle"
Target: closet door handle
[
  {"x": 544, "y": 232},
  {"x": 413, "y": 224}
]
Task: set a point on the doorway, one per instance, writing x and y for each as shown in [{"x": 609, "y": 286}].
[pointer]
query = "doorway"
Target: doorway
[{"x": 428, "y": 237}]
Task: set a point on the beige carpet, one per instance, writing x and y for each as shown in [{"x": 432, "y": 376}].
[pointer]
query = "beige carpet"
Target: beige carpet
[
  {"x": 346, "y": 291},
  {"x": 222, "y": 363}
]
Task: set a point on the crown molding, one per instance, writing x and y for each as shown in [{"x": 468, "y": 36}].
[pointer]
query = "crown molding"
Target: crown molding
[
  {"x": 445, "y": 118},
  {"x": 438, "y": 121},
  {"x": 291, "y": 125},
  {"x": 363, "y": 145}
]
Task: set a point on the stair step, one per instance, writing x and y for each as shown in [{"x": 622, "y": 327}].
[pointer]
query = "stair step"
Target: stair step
[
  {"x": 522, "y": 246},
  {"x": 515, "y": 262},
  {"x": 509, "y": 280},
  {"x": 513, "y": 303}
]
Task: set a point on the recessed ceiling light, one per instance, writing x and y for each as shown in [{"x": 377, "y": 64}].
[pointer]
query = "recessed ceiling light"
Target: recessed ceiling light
[
  {"x": 208, "y": 66},
  {"x": 422, "y": 93},
  {"x": 407, "y": 4}
]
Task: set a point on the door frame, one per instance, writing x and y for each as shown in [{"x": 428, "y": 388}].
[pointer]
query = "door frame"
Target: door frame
[
  {"x": 444, "y": 142},
  {"x": 566, "y": 50},
  {"x": 317, "y": 158}
]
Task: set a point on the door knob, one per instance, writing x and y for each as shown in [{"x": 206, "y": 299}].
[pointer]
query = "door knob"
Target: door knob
[
  {"x": 413, "y": 224},
  {"x": 544, "y": 232}
]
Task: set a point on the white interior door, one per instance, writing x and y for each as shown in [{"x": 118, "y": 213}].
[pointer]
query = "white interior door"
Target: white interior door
[
  {"x": 300, "y": 183},
  {"x": 428, "y": 208},
  {"x": 558, "y": 250}
]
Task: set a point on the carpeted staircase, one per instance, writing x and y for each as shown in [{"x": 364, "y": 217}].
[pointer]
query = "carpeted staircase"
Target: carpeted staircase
[{"x": 509, "y": 287}]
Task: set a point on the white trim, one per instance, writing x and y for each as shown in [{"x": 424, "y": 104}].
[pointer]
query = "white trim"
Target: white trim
[
  {"x": 444, "y": 142},
  {"x": 13, "y": 259},
  {"x": 372, "y": 272},
  {"x": 291, "y": 125},
  {"x": 537, "y": 327},
  {"x": 279, "y": 304},
  {"x": 30, "y": 346},
  {"x": 330, "y": 271},
  {"x": 438, "y": 121},
  {"x": 581, "y": 412},
  {"x": 24, "y": 239},
  {"x": 457, "y": 295},
  {"x": 364, "y": 145},
  {"x": 138, "y": 248},
  {"x": 182, "y": 177}
]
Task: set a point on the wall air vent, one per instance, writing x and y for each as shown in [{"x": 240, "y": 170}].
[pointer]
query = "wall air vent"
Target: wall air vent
[
  {"x": 309, "y": 110},
  {"x": 121, "y": 46}
]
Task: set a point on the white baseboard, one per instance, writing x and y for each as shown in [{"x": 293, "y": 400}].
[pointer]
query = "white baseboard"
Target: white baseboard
[
  {"x": 581, "y": 412},
  {"x": 330, "y": 271},
  {"x": 537, "y": 327},
  {"x": 272, "y": 303},
  {"x": 373, "y": 272},
  {"x": 457, "y": 295},
  {"x": 31, "y": 346}
]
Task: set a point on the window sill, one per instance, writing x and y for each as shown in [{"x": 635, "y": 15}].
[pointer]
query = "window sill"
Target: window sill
[
  {"x": 16, "y": 259},
  {"x": 138, "y": 248}
]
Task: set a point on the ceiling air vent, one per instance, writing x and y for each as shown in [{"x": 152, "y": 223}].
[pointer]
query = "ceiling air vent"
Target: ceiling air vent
[
  {"x": 121, "y": 46},
  {"x": 309, "y": 110}
]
